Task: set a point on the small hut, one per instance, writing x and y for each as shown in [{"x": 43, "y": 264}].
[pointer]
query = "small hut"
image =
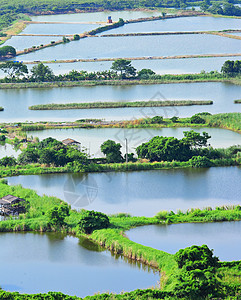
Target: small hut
[
  {"x": 11, "y": 205},
  {"x": 109, "y": 20},
  {"x": 71, "y": 142}
]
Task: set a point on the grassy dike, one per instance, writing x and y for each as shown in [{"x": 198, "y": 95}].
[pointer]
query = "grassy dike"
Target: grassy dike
[
  {"x": 114, "y": 239},
  {"x": 90, "y": 105},
  {"x": 38, "y": 169},
  {"x": 230, "y": 121}
]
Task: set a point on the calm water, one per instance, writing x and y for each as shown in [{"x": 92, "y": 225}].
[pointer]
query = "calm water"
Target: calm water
[
  {"x": 93, "y": 138},
  {"x": 96, "y": 17},
  {"x": 141, "y": 193},
  {"x": 8, "y": 150},
  {"x": 17, "y": 101},
  {"x": 53, "y": 262},
  {"x": 115, "y": 47},
  {"x": 58, "y": 28},
  {"x": 181, "y": 24},
  {"x": 223, "y": 237},
  {"x": 160, "y": 66}
]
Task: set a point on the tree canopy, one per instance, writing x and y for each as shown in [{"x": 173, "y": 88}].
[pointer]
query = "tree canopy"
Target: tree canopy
[
  {"x": 112, "y": 151},
  {"x": 124, "y": 68}
]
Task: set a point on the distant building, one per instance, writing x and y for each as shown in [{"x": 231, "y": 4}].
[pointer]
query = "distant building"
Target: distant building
[
  {"x": 71, "y": 142},
  {"x": 109, "y": 20},
  {"x": 11, "y": 205}
]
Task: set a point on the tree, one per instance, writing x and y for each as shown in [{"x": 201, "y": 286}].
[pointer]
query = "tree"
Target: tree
[
  {"x": 195, "y": 139},
  {"x": 14, "y": 69},
  {"x": 2, "y": 138},
  {"x": 7, "y": 51},
  {"x": 93, "y": 220},
  {"x": 197, "y": 278},
  {"x": 112, "y": 151},
  {"x": 164, "y": 149},
  {"x": 123, "y": 67},
  {"x": 8, "y": 161},
  {"x": 145, "y": 73},
  {"x": 28, "y": 156},
  {"x": 42, "y": 73},
  {"x": 57, "y": 214},
  {"x": 156, "y": 120},
  {"x": 228, "y": 68},
  {"x": 174, "y": 119}
]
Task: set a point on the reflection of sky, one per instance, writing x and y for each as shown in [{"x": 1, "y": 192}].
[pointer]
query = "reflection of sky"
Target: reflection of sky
[
  {"x": 223, "y": 237},
  {"x": 115, "y": 47},
  {"x": 147, "y": 192},
  {"x": 16, "y": 102},
  {"x": 52, "y": 262},
  {"x": 93, "y": 138}
]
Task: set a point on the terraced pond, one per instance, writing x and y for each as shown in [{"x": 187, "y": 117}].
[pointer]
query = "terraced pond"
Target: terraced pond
[
  {"x": 93, "y": 138},
  {"x": 223, "y": 237},
  {"x": 54, "y": 262},
  {"x": 17, "y": 101},
  {"x": 141, "y": 193}
]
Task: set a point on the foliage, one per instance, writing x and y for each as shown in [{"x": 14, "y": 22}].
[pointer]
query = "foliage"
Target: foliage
[
  {"x": 50, "y": 151},
  {"x": 57, "y": 214},
  {"x": 41, "y": 73},
  {"x": 197, "y": 278},
  {"x": 14, "y": 69},
  {"x": 200, "y": 162},
  {"x": 231, "y": 68},
  {"x": 112, "y": 151},
  {"x": 195, "y": 139},
  {"x": 124, "y": 67},
  {"x": 7, "y": 51},
  {"x": 92, "y": 220},
  {"x": 196, "y": 119},
  {"x": 164, "y": 149},
  {"x": 2, "y": 137},
  {"x": 76, "y": 37},
  {"x": 8, "y": 161}
]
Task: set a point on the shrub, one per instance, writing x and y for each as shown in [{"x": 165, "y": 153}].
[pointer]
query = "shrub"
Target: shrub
[
  {"x": 2, "y": 138},
  {"x": 76, "y": 37},
  {"x": 197, "y": 120},
  {"x": 200, "y": 162},
  {"x": 91, "y": 220}
]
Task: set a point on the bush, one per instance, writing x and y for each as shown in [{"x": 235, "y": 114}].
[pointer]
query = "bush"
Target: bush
[
  {"x": 2, "y": 138},
  {"x": 91, "y": 220},
  {"x": 76, "y": 37},
  {"x": 197, "y": 120},
  {"x": 200, "y": 162}
]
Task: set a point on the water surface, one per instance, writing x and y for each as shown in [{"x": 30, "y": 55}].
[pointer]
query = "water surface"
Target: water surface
[
  {"x": 223, "y": 237},
  {"x": 8, "y": 150},
  {"x": 141, "y": 193},
  {"x": 17, "y": 101},
  {"x": 54, "y": 262},
  {"x": 159, "y": 66},
  {"x": 96, "y": 16},
  {"x": 93, "y": 138},
  {"x": 181, "y": 24},
  {"x": 116, "y": 47}
]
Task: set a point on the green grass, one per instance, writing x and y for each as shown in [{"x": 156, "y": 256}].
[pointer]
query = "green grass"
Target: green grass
[{"x": 89, "y": 105}]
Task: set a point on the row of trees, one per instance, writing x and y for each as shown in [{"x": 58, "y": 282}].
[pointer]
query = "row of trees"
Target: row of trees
[
  {"x": 17, "y": 71},
  {"x": 162, "y": 148},
  {"x": 48, "y": 151},
  {"x": 231, "y": 68},
  {"x": 120, "y": 69}
]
